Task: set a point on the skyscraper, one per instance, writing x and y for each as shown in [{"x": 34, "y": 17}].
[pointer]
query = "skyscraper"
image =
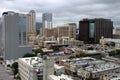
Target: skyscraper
[
  {"x": 31, "y": 26},
  {"x": 14, "y": 35},
  {"x": 46, "y": 21},
  {"x": 31, "y": 23},
  {"x": 38, "y": 26},
  {"x": 22, "y": 29},
  {"x": 91, "y": 30}
]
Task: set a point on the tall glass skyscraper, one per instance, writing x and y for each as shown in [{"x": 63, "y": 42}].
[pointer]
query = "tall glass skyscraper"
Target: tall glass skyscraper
[
  {"x": 22, "y": 29},
  {"x": 46, "y": 21},
  {"x": 14, "y": 41}
]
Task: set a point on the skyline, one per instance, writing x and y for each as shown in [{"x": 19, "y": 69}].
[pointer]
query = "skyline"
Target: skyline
[{"x": 66, "y": 11}]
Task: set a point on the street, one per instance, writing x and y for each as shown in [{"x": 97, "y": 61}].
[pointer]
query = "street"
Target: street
[{"x": 4, "y": 74}]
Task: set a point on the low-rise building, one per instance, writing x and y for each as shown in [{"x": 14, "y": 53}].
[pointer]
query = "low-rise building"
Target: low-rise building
[
  {"x": 116, "y": 41},
  {"x": 84, "y": 67},
  {"x": 99, "y": 70},
  {"x": 58, "y": 56},
  {"x": 62, "y": 77},
  {"x": 59, "y": 69},
  {"x": 30, "y": 68},
  {"x": 73, "y": 42}
]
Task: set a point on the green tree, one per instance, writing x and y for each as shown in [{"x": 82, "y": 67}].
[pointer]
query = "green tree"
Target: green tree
[
  {"x": 1, "y": 58},
  {"x": 80, "y": 55},
  {"x": 114, "y": 52},
  {"x": 112, "y": 43},
  {"x": 91, "y": 76},
  {"x": 90, "y": 48},
  {"x": 71, "y": 57},
  {"x": 39, "y": 50},
  {"x": 15, "y": 68},
  {"x": 29, "y": 55}
]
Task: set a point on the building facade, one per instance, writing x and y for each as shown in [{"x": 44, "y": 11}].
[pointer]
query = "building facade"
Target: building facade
[
  {"x": 91, "y": 30},
  {"x": 31, "y": 16},
  {"x": 49, "y": 32},
  {"x": 66, "y": 30},
  {"x": 46, "y": 21},
  {"x": 38, "y": 27},
  {"x": 31, "y": 25},
  {"x": 117, "y": 31},
  {"x": 14, "y": 36},
  {"x": 0, "y": 36},
  {"x": 31, "y": 68},
  {"x": 22, "y": 29}
]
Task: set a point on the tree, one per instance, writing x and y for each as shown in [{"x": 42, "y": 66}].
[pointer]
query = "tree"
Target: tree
[
  {"x": 90, "y": 48},
  {"x": 1, "y": 58},
  {"x": 114, "y": 53},
  {"x": 15, "y": 68},
  {"x": 80, "y": 55},
  {"x": 29, "y": 55},
  {"x": 113, "y": 44},
  {"x": 71, "y": 57},
  {"x": 91, "y": 76},
  {"x": 39, "y": 50}
]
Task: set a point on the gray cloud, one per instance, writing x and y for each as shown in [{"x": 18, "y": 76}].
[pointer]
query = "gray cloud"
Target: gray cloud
[{"x": 67, "y": 10}]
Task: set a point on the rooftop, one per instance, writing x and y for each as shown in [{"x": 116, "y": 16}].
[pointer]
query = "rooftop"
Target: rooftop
[
  {"x": 91, "y": 64},
  {"x": 62, "y": 77},
  {"x": 101, "y": 67},
  {"x": 58, "y": 67},
  {"x": 33, "y": 61}
]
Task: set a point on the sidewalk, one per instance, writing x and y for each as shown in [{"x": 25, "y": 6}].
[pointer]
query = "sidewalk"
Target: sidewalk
[{"x": 5, "y": 74}]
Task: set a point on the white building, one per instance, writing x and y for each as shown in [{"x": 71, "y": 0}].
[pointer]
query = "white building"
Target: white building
[
  {"x": 62, "y": 77},
  {"x": 31, "y": 68},
  {"x": 59, "y": 69},
  {"x": 14, "y": 41}
]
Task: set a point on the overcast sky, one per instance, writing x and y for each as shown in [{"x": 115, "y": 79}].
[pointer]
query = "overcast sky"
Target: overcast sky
[{"x": 65, "y": 11}]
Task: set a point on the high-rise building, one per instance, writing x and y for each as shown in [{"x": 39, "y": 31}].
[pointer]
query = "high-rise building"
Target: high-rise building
[
  {"x": 46, "y": 21},
  {"x": 31, "y": 26},
  {"x": 49, "y": 32},
  {"x": 14, "y": 36},
  {"x": 31, "y": 23},
  {"x": 38, "y": 27},
  {"x": 66, "y": 30},
  {"x": 73, "y": 24},
  {"x": 22, "y": 29},
  {"x": 91, "y": 30}
]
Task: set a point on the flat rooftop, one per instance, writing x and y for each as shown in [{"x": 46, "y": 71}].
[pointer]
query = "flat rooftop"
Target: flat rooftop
[
  {"x": 58, "y": 67},
  {"x": 81, "y": 61},
  {"x": 101, "y": 67},
  {"x": 92, "y": 64},
  {"x": 62, "y": 77},
  {"x": 32, "y": 61}
]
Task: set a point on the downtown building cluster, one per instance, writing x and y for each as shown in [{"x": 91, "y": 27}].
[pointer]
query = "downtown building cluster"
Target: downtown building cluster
[{"x": 68, "y": 53}]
